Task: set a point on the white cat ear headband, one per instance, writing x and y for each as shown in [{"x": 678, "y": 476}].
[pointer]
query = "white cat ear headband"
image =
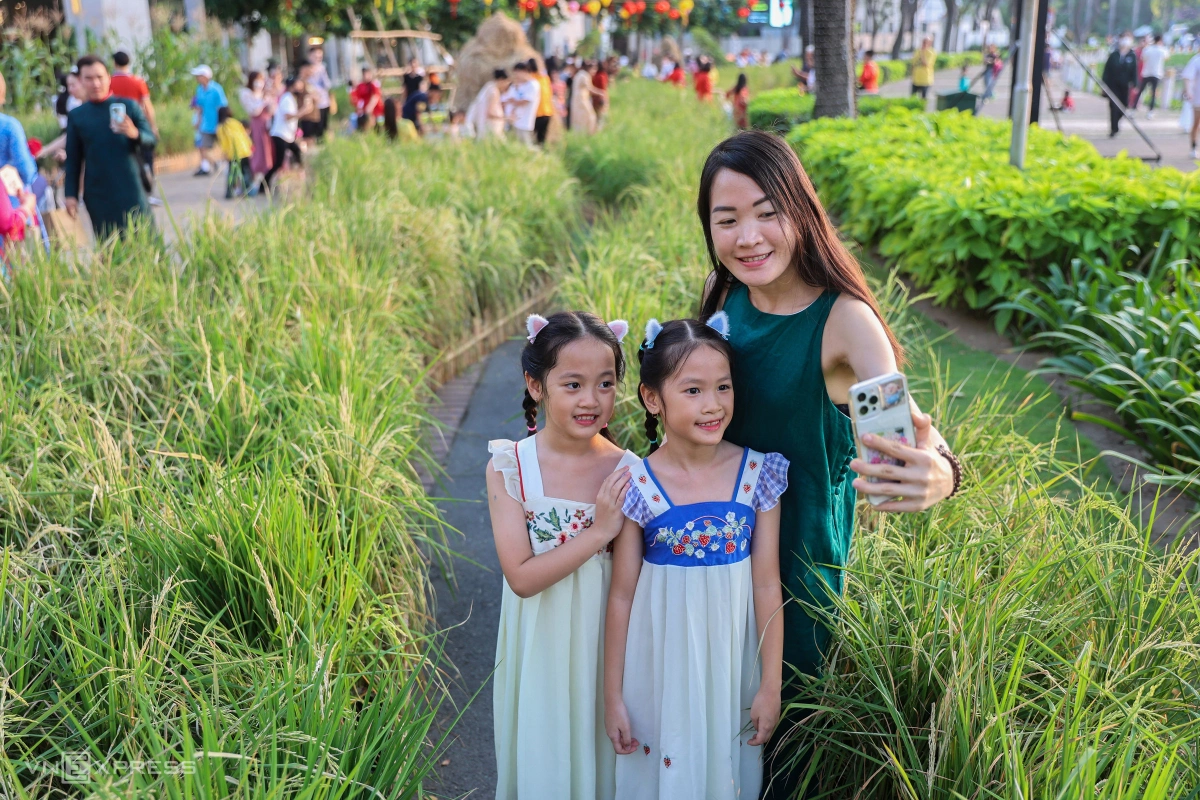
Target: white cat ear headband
[
  {"x": 719, "y": 322},
  {"x": 536, "y": 322}
]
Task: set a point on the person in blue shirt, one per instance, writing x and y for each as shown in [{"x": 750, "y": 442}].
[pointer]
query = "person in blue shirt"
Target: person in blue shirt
[
  {"x": 208, "y": 100},
  {"x": 14, "y": 148}
]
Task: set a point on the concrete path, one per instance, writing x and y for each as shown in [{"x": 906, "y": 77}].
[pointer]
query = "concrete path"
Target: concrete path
[
  {"x": 472, "y": 603},
  {"x": 1088, "y": 121}
]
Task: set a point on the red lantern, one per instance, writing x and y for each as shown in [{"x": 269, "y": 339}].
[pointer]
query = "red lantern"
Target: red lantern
[
  {"x": 743, "y": 12},
  {"x": 673, "y": 13}
]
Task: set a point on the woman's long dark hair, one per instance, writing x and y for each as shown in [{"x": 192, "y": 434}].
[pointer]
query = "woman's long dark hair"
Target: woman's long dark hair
[
  {"x": 677, "y": 340},
  {"x": 741, "y": 82},
  {"x": 820, "y": 258},
  {"x": 389, "y": 118},
  {"x": 540, "y": 355}
]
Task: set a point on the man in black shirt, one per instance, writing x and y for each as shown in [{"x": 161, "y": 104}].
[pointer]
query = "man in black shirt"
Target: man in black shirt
[
  {"x": 413, "y": 77},
  {"x": 1120, "y": 75}
]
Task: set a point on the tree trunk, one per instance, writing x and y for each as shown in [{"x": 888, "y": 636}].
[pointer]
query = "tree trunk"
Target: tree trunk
[
  {"x": 951, "y": 20},
  {"x": 1137, "y": 12},
  {"x": 908, "y": 13},
  {"x": 1089, "y": 16},
  {"x": 832, "y": 35},
  {"x": 1112, "y": 17}
]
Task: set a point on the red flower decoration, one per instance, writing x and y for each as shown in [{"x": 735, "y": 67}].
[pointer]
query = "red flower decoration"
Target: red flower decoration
[
  {"x": 730, "y": 547},
  {"x": 666, "y": 761},
  {"x": 704, "y": 540},
  {"x": 677, "y": 549}
]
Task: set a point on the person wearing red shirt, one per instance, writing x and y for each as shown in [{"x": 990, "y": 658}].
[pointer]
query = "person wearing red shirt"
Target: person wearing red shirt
[
  {"x": 600, "y": 99},
  {"x": 125, "y": 84},
  {"x": 703, "y": 82},
  {"x": 368, "y": 99},
  {"x": 677, "y": 77},
  {"x": 869, "y": 80}
]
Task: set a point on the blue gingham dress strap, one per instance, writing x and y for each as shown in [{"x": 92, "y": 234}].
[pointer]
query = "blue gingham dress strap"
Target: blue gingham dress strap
[
  {"x": 648, "y": 488},
  {"x": 752, "y": 469}
]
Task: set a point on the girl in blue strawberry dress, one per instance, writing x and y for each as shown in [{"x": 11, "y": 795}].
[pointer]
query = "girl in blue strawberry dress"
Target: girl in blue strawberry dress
[{"x": 693, "y": 638}]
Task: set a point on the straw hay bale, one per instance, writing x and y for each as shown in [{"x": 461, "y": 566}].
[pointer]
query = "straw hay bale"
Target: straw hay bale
[{"x": 498, "y": 44}]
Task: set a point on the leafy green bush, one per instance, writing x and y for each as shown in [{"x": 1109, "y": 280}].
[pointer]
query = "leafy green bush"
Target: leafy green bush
[
  {"x": 775, "y": 76},
  {"x": 936, "y": 193},
  {"x": 971, "y": 58},
  {"x": 29, "y": 65},
  {"x": 167, "y": 59},
  {"x": 1131, "y": 340},
  {"x": 780, "y": 110}
]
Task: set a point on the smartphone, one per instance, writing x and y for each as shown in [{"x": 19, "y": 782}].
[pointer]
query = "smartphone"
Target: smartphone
[
  {"x": 880, "y": 406},
  {"x": 116, "y": 114}
]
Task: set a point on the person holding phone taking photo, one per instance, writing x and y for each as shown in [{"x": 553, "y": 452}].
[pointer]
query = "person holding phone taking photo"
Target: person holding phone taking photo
[
  {"x": 108, "y": 134},
  {"x": 805, "y": 328}
]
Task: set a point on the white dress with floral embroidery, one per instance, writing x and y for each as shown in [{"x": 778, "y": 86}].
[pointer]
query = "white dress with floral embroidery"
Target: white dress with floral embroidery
[
  {"x": 547, "y": 690},
  {"x": 691, "y": 658}
]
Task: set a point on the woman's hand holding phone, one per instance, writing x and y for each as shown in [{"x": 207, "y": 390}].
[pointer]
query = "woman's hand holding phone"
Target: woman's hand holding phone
[{"x": 924, "y": 479}]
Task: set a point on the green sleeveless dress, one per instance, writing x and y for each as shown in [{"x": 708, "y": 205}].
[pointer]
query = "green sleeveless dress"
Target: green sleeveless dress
[{"x": 781, "y": 405}]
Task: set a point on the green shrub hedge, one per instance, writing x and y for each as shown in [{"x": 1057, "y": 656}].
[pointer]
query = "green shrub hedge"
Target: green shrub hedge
[
  {"x": 1132, "y": 341},
  {"x": 780, "y": 110},
  {"x": 937, "y": 195}
]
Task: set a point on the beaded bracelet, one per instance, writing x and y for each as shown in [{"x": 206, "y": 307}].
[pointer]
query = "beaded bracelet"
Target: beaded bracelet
[{"x": 955, "y": 467}]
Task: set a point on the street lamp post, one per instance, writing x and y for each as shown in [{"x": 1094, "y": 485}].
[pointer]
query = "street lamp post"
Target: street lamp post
[{"x": 1023, "y": 83}]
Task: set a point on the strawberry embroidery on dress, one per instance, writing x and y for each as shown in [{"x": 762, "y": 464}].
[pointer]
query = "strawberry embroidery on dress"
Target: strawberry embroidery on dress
[
  {"x": 666, "y": 761},
  {"x": 746, "y": 488},
  {"x": 687, "y": 542},
  {"x": 656, "y": 499},
  {"x": 753, "y": 465},
  {"x": 646, "y": 749},
  {"x": 641, "y": 479}
]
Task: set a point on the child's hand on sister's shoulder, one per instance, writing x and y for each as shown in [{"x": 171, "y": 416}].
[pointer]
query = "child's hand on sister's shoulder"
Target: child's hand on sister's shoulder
[
  {"x": 764, "y": 714},
  {"x": 619, "y": 729},
  {"x": 609, "y": 503}
]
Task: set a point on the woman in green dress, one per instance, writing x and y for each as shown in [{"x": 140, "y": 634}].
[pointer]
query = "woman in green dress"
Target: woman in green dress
[{"x": 804, "y": 327}]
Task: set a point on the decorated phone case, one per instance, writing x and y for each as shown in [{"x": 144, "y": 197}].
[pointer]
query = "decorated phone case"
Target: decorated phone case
[{"x": 880, "y": 406}]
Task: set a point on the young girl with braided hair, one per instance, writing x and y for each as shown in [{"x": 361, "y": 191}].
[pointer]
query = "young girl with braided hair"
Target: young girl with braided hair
[
  {"x": 693, "y": 643},
  {"x": 555, "y": 499}
]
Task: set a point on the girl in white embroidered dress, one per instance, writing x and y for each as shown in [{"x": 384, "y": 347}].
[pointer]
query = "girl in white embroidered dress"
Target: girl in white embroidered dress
[
  {"x": 555, "y": 501},
  {"x": 694, "y": 644}
]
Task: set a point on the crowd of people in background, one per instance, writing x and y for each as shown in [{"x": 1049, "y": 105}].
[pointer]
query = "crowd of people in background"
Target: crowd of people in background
[{"x": 109, "y": 129}]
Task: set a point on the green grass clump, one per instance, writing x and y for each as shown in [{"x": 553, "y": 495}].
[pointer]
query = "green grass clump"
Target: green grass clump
[{"x": 214, "y": 540}]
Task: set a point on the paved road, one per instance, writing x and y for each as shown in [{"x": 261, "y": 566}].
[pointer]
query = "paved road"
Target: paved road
[
  {"x": 1088, "y": 121},
  {"x": 474, "y": 604},
  {"x": 187, "y": 198}
]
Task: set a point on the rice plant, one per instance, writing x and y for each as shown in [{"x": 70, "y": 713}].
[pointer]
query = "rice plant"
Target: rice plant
[{"x": 213, "y": 542}]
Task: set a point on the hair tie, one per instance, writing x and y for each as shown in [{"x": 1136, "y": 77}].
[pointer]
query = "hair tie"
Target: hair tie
[
  {"x": 531, "y": 428},
  {"x": 534, "y": 324},
  {"x": 719, "y": 322},
  {"x": 653, "y": 329}
]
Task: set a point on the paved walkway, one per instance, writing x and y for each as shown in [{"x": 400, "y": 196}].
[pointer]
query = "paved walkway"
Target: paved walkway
[
  {"x": 1088, "y": 121},
  {"x": 472, "y": 602}
]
